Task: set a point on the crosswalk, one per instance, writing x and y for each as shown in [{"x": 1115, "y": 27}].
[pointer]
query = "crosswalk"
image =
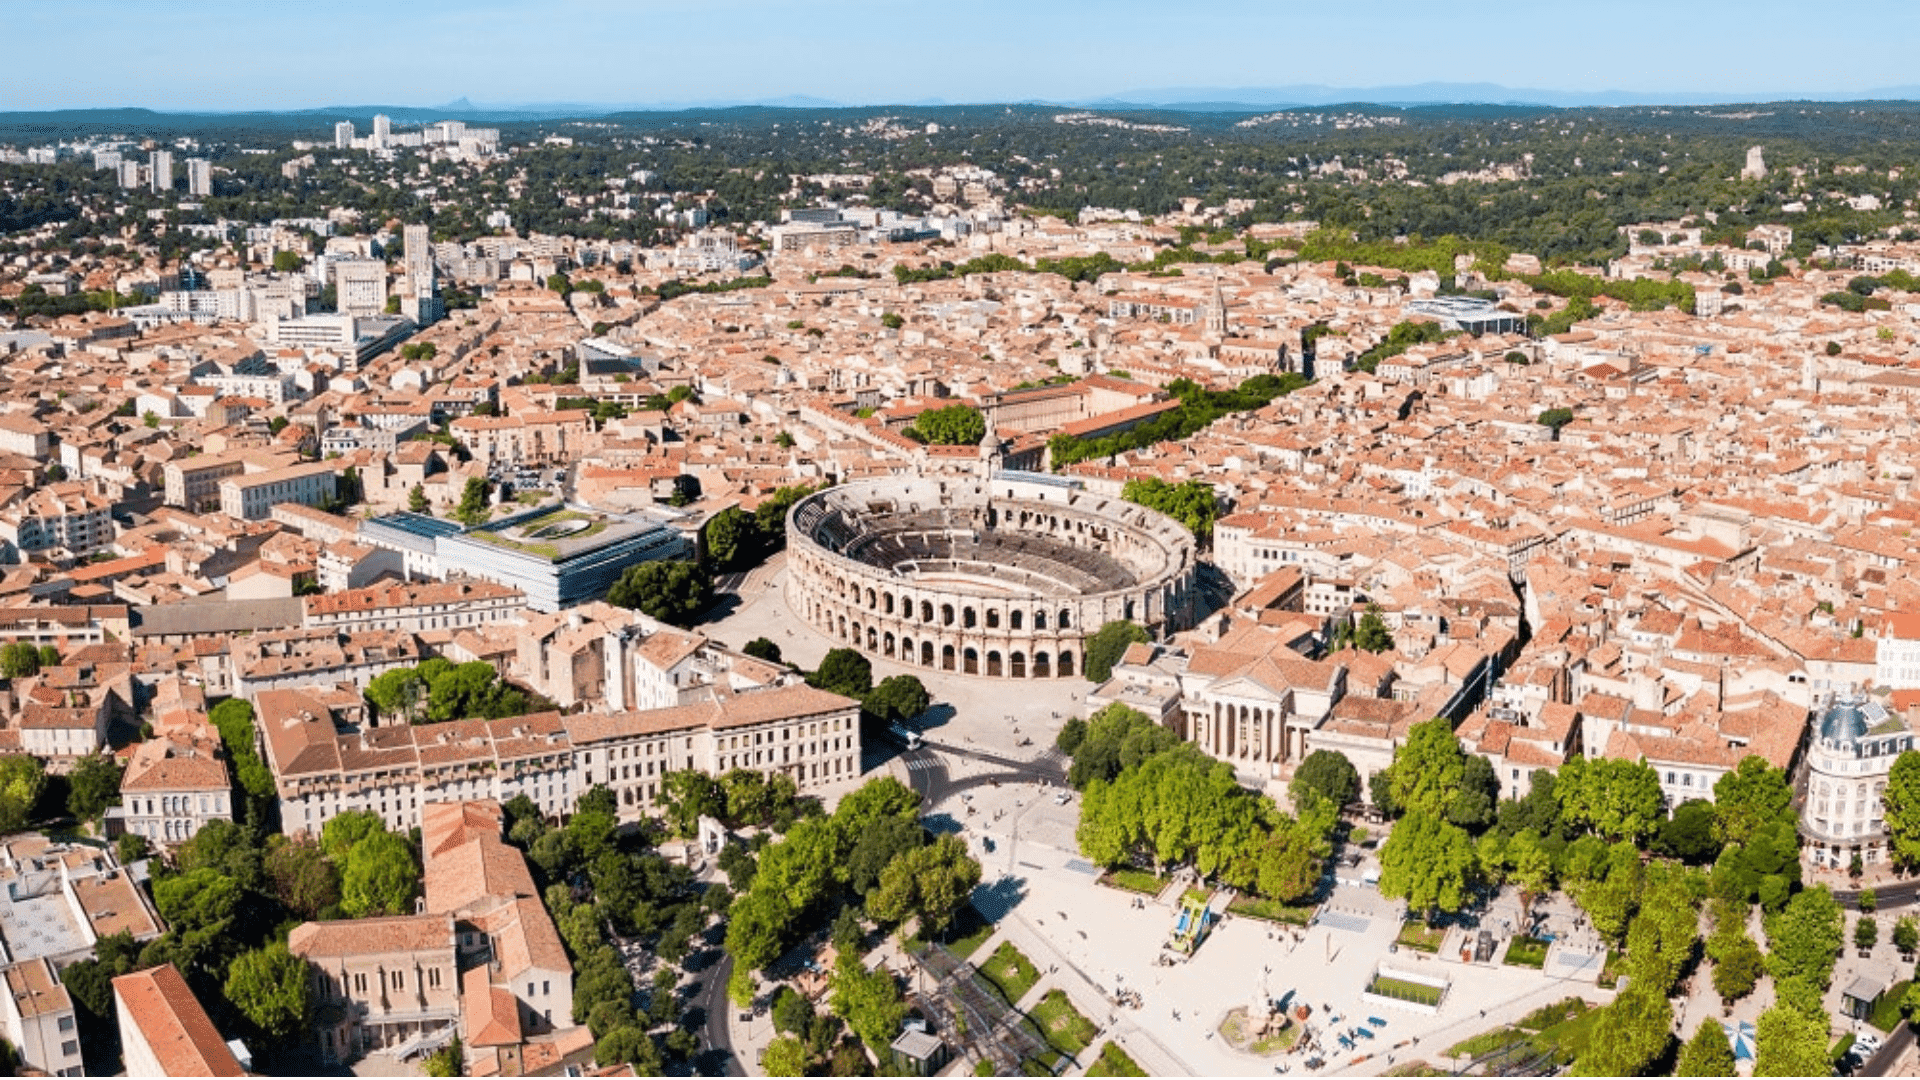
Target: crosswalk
[
  {"x": 925, "y": 764},
  {"x": 1051, "y": 758}
]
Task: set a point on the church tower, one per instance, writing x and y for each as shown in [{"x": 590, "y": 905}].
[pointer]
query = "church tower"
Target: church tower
[
  {"x": 1217, "y": 311},
  {"x": 992, "y": 451}
]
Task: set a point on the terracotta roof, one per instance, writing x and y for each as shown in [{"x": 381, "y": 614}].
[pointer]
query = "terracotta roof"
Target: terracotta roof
[{"x": 176, "y": 1028}]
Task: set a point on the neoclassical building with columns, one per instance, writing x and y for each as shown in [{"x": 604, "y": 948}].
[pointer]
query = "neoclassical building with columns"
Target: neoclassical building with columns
[{"x": 1002, "y": 577}]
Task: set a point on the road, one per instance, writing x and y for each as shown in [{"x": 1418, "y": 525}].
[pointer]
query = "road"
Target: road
[
  {"x": 929, "y": 776},
  {"x": 1888, "y": 1057},
  {"x": 718, "y": 1058},
  {"x": 1898, "y": 894}
]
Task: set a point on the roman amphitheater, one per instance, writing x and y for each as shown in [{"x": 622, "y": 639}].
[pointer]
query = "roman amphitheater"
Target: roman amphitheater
[{"x": 1003, "y": 578}]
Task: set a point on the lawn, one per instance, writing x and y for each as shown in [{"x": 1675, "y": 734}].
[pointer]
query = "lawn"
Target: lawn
[
  {"x": 968, "y": 932},
  {"x": 1616, "y": 966},
  {"x": 1403, "y": 990},
  {"x": 1255, "y": 907},
  {"x": 1010, "y": 972},
  {"x": 1527, "y": 952},
  {"x": 1886, "y": 1011},
  {"x": 1415, "y": 934},
  {"x": 1114, "y": 1061},
  {"x": 1062, "y": 1025},
  {"x": 1560, "y": 1030},
  {"x": 1132, "y": 880},
  {"x": 1198, "y": 896}
]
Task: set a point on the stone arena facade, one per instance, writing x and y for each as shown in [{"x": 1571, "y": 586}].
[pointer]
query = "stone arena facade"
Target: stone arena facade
[{"x": 1001, "y": 578}]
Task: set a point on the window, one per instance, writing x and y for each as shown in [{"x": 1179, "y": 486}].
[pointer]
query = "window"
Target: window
[
  {"x": 69, "y": 1048},
  {"x": 66, "y": 1023}
]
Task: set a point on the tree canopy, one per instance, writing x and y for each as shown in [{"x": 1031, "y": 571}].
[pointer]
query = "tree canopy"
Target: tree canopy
[
  {"x": 672, "y": 590},
  {"x": 952, "y": 425},
  {"x": 1108, "y": 644}
]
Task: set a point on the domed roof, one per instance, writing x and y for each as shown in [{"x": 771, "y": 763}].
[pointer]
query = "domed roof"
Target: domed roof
[{"x": 1849, "y": 719}]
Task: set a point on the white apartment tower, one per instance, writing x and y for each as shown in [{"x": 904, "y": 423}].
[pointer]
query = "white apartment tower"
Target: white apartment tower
[
  {"x": 382, "y": 132},
  {"x": 361, "y": 285},
  {"x": 343, "y": 135},
  {"x": 419, "y": 253},
  {"x": 161, "y": 163},
  {"x": 199, "y": 176}
]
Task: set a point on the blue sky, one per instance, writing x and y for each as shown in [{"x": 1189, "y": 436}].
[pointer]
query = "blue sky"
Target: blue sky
[{"x": 246, "y": 54}]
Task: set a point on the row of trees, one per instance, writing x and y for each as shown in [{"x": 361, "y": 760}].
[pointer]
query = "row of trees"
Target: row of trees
[
  {"x": 1198, "y": 408},
  {"x": 872, "y": 851},
  {"x": 1152, "y": 800},
  {"x": 439, "y": 689},
  {"x": 602, "y": 885},
  {"x": 737, "y": 539},
  {"x": 1192, "y": 503}
]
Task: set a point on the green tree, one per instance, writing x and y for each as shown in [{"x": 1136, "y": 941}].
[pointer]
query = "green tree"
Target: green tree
[
  {"x": 417, "y": 500},
  {"x": 301, "y": 876},
  {"x": 446, "y": 1061},
  {"x": 1620, "y": 800},
  {"x": 954, "y": 425},
  {"x": 19, "y": 660},
  {"x": 1327, "y": 774},
  {"x": 785, "y": 1056},
  {"x": 1428, "y": 863},
  {"x": 869, "y": 1001},
  {"x": 671, "y": 590},
  {"x": 930, "y": 882},
  {"x": 1105, "y": 648},
  {"x": 343, "y": 831},
  {"x": 1112, "y": 740},
  {"x": 397, "y": 694},
  {"x": 1689, "y": 835},
  {"x": 1906, "y": 933},
  {"x": 22, "y": 779},
  {"x": 473, "y": 509},
  {"x": 1751, "y": 796},
  {"x": 49, "y": 656},
  {"x": 762, "y": 649},
  {"x": 1428, "y": 770},
  {"x": 1902, "y": 808},
  {"x": 687, "y": 796},
  {"x": 1708, "y": 1053},
  {"x": 1866, "y": 932},
  {"x": 92, "y": 786},
  {"x": 879, "y": 844},
  {"x": 1628, "y": 1036},
  {"x": 845, "y": 672},
  {"x": 631, "y": 1046},
  {"x": 1556, "y": 418},
  {"x": 1791, "y": 1042},
  {"x": 1192, "y": 503},
  {"x": 1529, "y": 869},
  {"x": 380, "y": 876},
  {"x": 898, "y": 697},
  {"x": 271, "y": 987},
  {"x": 286, "y": 262},
  {"x": 733, "y": 539},
  {"x": 1371, "y": 633},
  {"x": 1804, "y": 940}
]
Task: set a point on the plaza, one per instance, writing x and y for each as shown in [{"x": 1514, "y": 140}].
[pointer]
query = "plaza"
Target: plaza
[{"x": 1096, "y": 944}]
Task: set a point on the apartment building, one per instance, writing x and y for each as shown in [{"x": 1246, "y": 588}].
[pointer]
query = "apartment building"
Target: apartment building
[
  {"x": 40, "y": 1023},
  {"x": 173, "y": 785},
  {"x": 361, "y": 286},
  {"x": 252, "y": 496},
  {"x": 1897, "y": 653},
  {"x": 415, "y": 608},
  {"x": 531, "y": 439},
  {"x": 164, "y": 1030},
  {"x": 321, "y": 657},
  {"x": 61, "y": 898},
  {"x": 326, "y": 759},
  {"x": 380, "y": 983},
  {"x": 61, "y": 521},
  {"x": 193, "y": 484}
]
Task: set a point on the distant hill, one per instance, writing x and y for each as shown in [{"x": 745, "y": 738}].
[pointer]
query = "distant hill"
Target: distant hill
[{"x": 1219, "y": 99}]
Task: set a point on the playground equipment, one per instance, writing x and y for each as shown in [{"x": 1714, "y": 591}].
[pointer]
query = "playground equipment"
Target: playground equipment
[{"x": 1190, "y": 927}]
